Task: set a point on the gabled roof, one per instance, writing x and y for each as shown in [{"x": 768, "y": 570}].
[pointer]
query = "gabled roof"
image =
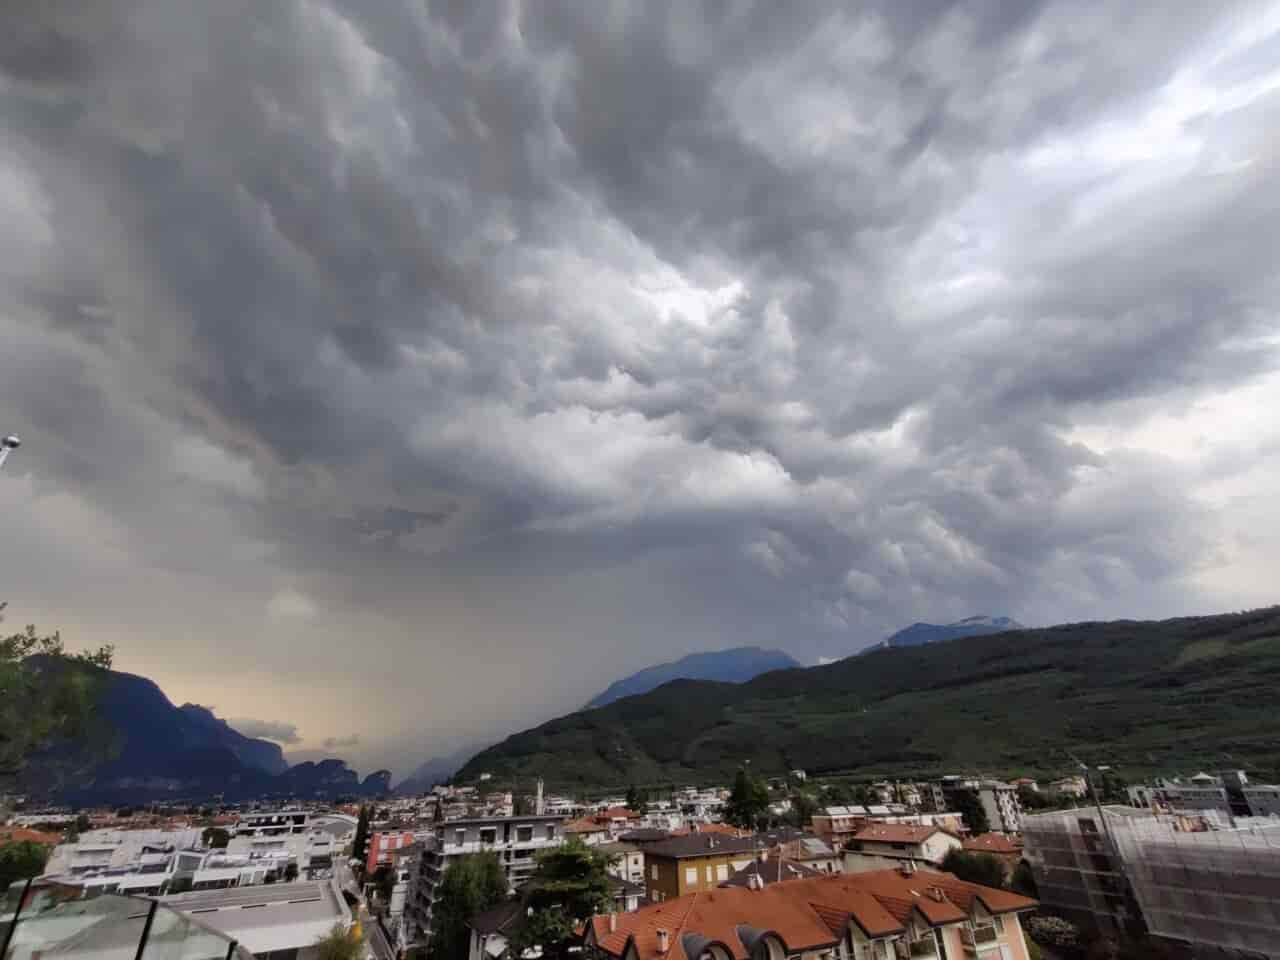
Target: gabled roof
[
  {"x": 992, "y": 843},
  {"x": 805, "y": 914},
  {"x": 772, "y": 870},
  {"x": 897, "y": 833},
  {"x": 505, "y": 918}
]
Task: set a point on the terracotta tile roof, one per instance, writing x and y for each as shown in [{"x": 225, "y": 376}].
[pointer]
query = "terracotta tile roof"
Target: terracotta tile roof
[
  {"x": 896, "y": 833},
  {"x": 585, "y": 825},
  {"x": 993, "y": 843},
  {"x": 24, "y": 834},
  {"x": 618, "y": 813},
  {"x": 720, "y": 829},
  {"x": 807, "y": 913}
]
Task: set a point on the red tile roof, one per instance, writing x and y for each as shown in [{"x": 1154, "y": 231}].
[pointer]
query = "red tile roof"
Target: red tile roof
[
  {"x": 720, "y": 829},
  {"x": 585, "y": 825},
  {"x": 23, "y": 834},
  {"x": 993, "y": 843},
  {"x": 896, "y": 833},
  {"x": 806, "y": 914}
]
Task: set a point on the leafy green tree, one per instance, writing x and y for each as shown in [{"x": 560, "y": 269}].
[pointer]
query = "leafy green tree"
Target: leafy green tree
[
  {"x": 803, "y": 807},
  {"x": 837, "y": 795},
  {"x": 748, "y": 800},
  {"x": 634, "y": 800},
  {"x": 969, "y": 805},
  {"x": 215, "y": 838},
  {"x": 46, "y": 694},
  {"x": 338, "y": 944},
  {"x": 21, "y": 860},
  {"x": 1023, "y": 881},
  {"x": 384, "y": 881},
  {"x": 470, "y": 885},
  {"x": 523, "y": 805},
  {"x": 290, "y": 872},
  {"x": 571, "y": 883},
  {"x": 360, "y": 845},
  {"x": 980, "y": 868},
  {"x": 82, "y": 823}
]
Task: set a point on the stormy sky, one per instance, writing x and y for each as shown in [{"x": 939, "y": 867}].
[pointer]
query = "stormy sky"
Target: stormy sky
[{"x": 397, "y": 374}]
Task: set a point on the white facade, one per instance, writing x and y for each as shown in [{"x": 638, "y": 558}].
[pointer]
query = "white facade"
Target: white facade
[{"x": 271, "y": 823}]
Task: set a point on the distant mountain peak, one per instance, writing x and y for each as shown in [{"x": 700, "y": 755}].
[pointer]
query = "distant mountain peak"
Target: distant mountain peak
[
  {"x": 735, "y": 665},
  {"x": 920, "y": 633}
]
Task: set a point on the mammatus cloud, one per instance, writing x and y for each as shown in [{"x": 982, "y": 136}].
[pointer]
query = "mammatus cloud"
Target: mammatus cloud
[
  {"x": 335, "y": 743},
  {"x": 267, "y": 730},
  {"x": 371, "y": 358}
]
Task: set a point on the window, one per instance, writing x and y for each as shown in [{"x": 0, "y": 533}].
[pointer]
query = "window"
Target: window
[
  {"x": 459, "y": 836},
  {"x": 999, "y": 924},
  {"x": 524, "y": 834},
  {"x": 722, "y": 872},
  {"x": 691, "y": 876},
  {"x": 710, "y": 874},
  {"x": 489, "y": 835},
  {"x": 551, "y": 831},
  {"x": 653, "y": 871}
]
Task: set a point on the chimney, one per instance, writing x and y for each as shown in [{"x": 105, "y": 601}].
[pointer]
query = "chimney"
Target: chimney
[
  {"x": 907, "y": 868},
  {"x": 664, "y": 939},
  {"x": 613, "y": 923},
  {"x": 937, "y": 894}
]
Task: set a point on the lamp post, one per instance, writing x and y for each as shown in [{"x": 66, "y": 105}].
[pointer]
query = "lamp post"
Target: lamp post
[{"x": 6, "y": 445}]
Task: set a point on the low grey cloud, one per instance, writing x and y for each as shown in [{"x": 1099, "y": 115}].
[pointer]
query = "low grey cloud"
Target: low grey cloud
[
  {"x": 266, "y": 730},
  {"x": 409, "y": 357},
  {"x": 334, "y": 743}
]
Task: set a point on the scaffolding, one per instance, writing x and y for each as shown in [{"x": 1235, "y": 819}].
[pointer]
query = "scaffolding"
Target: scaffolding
[{"x": 1215, "y": 887}]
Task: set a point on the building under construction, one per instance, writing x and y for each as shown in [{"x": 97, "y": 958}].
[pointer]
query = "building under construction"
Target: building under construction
[{"x": 1188, "y": 878}]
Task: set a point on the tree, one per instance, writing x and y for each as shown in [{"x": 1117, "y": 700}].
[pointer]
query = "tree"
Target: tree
[
  {"x": 863, "y": 796},
  {"x": 803, "y": 807},
  {"x": 470, "y": 885},
  {"x": 571, "y": 884},
  {"x": 1053, "y": 932},
  {"x": 46, "y": 694},
  {"x": 290, "y": 872},
  {"x": 634, "y": 800},
  {"x": 338, "y": 944},
  {"x": 523, "y": 806},
  {"x": 384, "y": 881},
  {"x": 837, "y": 795},
  {"x": 980, "y": 868},
  {"x": 748, "y": 800},
  {"x": 82, "y": 823},
  {"x": 21, "y": 860},
  {"x": 969, "y": 805},
  {"x": 360, "y": 845},
  {"x": 1024, "y": 881},
  {"x": 215, "y": 838}
]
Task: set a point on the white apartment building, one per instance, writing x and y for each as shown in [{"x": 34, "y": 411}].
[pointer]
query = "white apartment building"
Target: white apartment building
[
  {"x": 515, "y": 841},
  {"x": 271, "y": 823},
  {"x": 999, "y": 800}
]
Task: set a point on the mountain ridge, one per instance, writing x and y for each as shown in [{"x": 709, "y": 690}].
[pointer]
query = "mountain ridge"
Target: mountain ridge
[
  {"x": 732, "y": 665},
  {"x": 1128, "y": 693},
  {"x": 920, "y": 633}
]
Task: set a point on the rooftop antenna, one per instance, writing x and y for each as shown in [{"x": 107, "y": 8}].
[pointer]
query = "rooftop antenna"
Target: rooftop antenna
[{"x": 7, "y": 444}]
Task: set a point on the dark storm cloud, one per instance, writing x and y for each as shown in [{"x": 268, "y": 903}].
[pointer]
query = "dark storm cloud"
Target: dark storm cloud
[{"x": 456, "y": 339}]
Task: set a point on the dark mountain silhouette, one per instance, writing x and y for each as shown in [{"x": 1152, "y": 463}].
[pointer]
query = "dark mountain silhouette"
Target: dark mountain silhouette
[
  {"x": 146, "y": 748},
  {"x": 735, "y": 665},
  {"x": 436, "y": 770}
]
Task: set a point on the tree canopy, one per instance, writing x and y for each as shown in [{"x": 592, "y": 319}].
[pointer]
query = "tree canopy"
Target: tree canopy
[
  {"x": 570, "y": 884},
  {"x": 470, "y": 885},
  {"x": 21, "y": 860},
  {"x": 215, "y": 838},
  {"x": 360, "y": 843},
  {"x": 46, "y": 694},
  {"x": 338, "y": 944},
  {"x": 969, "y": 805},
  {"x": 748, "y": 800},
  {"x": 980, "y": 868}
]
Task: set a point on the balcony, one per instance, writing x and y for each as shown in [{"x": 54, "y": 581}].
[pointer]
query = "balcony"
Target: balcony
[
  {"x": 979, "y": 940},
  {"x": 923, "y": 949}
]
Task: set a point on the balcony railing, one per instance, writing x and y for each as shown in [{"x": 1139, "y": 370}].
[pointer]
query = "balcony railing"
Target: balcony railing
[
  {"x": 979, "y": 939},
  {"x": 38, "y": 919}
]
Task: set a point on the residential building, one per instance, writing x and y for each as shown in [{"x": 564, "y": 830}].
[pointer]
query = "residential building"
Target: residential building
[
  {"x": 837, "y": 825},
  {"x": 881, "y": 915},
  {"x": 880, "y": 845},
  {"x": 700, "y": 861},
  {"x": 1073, "y": 786},
  {"x": 382, "y": 846},
  {"x": 626, "y": 860},
  {"x": 999, "y": 800},
  {"x": 811, "y": 852},
  {"x": 1185, "y": 880},
  {"x": 767, "y": 869},
  {"x": 1026, "y": 783},
  {"x": 515, "y": 841},
  {"x": 271, "y": 823}
]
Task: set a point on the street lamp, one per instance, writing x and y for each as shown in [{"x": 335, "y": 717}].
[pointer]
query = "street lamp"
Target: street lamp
[{"x": 8, "y": 443}]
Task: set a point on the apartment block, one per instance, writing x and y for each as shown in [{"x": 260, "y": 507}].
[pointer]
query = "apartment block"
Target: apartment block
[
  {"x": 699, "y": 861},
  {"x": 514, "y": 840},
  {"x": 880, "y": 845}
]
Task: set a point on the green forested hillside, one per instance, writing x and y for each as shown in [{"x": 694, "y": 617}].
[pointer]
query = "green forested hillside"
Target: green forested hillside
[{"x": 1144, "y": 696}]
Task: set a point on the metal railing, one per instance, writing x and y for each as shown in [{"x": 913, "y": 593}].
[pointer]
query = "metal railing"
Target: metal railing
[{"x": 38, "y": 918}]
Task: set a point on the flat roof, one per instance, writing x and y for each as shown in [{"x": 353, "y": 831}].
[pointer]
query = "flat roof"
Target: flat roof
[
  {"x": 530, "y": 818},
  {"x": 279, "y": 916}
]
